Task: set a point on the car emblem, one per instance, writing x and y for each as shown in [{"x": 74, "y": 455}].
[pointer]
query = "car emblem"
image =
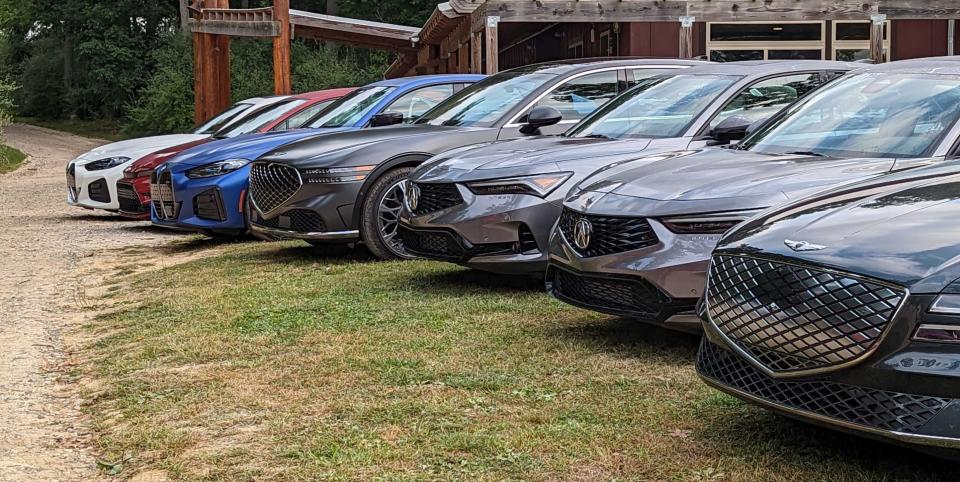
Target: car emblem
[
  {"x": 581, "y": 233},
  {"x": 413, "y": 196},
  {"x": 278, "y": 154},
  {"x": 803, "y": 246}
]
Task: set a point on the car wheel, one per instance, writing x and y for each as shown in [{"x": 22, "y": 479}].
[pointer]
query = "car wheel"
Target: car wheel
[{"x": 381, "y": 215}]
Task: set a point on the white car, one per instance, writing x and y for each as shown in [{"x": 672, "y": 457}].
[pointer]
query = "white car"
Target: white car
[{"x": 92, "y": 177}]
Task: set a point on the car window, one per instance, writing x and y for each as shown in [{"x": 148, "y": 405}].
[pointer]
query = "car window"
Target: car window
[
  {"x": 486, "y": 102},
  {"x": 639, "y": 75},
  {"x": 257, "y": 120},
  {"x": 413, "y": 104},
  {"x": 297, "y": 120},
  {"x": 222, "y": 119},
  {"x": 867, "y": 115},
  {"x": 767, "y": 97},
  {"x": 577, "y": 98},
  {"x": 347, "y": 111}
]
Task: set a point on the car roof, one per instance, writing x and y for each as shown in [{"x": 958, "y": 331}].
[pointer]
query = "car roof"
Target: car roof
[
  {"x": 760, "y": 68},
  {"x": 320, "y": 95},
  {"x": 930, "y": 65},
  {"x": 427, "y": 79},
  {"x": 572, "y": 66}
]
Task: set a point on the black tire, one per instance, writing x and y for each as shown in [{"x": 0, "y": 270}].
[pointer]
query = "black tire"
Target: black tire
[{"x": 379, "y": 234}]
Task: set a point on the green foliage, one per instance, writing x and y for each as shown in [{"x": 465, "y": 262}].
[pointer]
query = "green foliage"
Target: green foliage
[{"x": 166, "y": 104}]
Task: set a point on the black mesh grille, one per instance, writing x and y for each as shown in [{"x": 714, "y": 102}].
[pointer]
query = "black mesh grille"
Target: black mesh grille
[
  {"x": 161, "y": 193},
  {"x": 98, "y": 191},
  {"x": 209, "y": 205},
  {"x": 436, "y": 197},
  {"x": 272, "y": 185},
  {"x": 296, "y": 220},
  {"x": 792, "y": 318},
  {"x": 431, "y": 243},
  {"x": 609, "y": 235},
  {"x": 128, "y": 199},
  {"x": 899, "y": 412},
  {"x": 634, "y": 297},
  {"x": 72, "y": 181}
]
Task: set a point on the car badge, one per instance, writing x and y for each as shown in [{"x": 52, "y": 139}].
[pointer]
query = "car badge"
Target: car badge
[
  {"x": 582, "y": 232},
  {"x": 413, "y": 196},
  {"x": 801, "y": 246}
]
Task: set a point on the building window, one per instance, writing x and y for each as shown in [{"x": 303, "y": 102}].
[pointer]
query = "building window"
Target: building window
[
  {"x": 851, "y": 40},
  {"x": 575, "y": 48},
  {"x": 736, "y": 41}
]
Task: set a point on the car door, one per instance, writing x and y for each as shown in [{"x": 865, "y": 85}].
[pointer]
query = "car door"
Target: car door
[{"x": 760, "y": 100}]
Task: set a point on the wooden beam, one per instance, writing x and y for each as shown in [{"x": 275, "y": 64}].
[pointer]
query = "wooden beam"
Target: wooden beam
[
  {"x": 686, "y": 37},
  {"x": 282, "y": 81},
  {"x": 877, "y": 24},
  {"x": 492, "y": 42},
  {"x": 476, "y": 53},
  {"x": 233, "y": 28}
]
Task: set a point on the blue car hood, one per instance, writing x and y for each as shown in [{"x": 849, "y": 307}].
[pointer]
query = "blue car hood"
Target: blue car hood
[{"x": 248, "y": 147}]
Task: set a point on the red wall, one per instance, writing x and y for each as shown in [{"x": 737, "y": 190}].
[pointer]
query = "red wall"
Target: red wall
[
  {"x": 918, "y": 38},
  {"x": 659, "y": 39}
]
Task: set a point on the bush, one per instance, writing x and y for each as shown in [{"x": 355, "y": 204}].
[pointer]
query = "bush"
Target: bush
[
  {"x": 43, "y": 94},
  {"x": 166, "y": 104}
]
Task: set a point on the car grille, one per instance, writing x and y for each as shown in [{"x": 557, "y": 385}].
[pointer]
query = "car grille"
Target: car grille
[
  {"x": 98, "y": 191},
  {"x": 436, "y": 197},
  {"x": 272, "y": 185},
  {"x": 437, "y": 244},
  {"x": 797, "y": 319},
  {"x": 161, "y": 194},
  {"x": 296, "y": 220},
  {"x": 72, "y": 182},
  {"x": 128, "y": 199},
  {"x": 610, "y": 235},
  {"x": 879, "y": 409},
  {"x": 636, "y": 298},
  {"x": 209, "y": 205}
]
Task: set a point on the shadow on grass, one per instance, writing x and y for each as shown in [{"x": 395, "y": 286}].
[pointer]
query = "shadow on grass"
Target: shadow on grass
[
  {"x": 94, "y": 216},
  {"x": 461, "y": 280},
  {"x": 306, "y": 253},
  {"x": 770, "y": 437},
  {"x": 626, "y": 336}
]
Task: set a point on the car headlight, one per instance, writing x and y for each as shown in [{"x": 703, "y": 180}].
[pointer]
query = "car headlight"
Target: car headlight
[
  {"x": 217, "y": 168},
  {"x": 336, "y": 175},
  {"x": 714, "y": 223},
  {"x": 538, "y": 185},
  {"x": 106, "y": 163},
  {"x": 947, "y": 305}
]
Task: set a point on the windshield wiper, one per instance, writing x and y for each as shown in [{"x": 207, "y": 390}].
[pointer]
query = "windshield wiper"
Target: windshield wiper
[
  {"x": 805, "y": 153},
  {"x": 597, "y": 136}
]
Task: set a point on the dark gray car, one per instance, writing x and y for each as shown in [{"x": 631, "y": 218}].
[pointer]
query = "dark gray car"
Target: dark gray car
[
  {"x": 635, "y": 240},
  {"x": 347, "y": 187},
  {"x": 501, "y": 200}
]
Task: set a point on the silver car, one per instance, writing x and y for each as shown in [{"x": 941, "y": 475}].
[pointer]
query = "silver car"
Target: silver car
[
  {"x": 635, "y": 240},
  {"x": 492, "y": 206}
]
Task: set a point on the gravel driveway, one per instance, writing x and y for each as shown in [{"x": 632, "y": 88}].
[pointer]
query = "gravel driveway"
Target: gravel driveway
[{"x": 43, "y": 245}]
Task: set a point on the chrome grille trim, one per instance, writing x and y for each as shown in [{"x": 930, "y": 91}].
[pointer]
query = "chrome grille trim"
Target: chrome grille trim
[
  {"x": 272, "y": 185},
  {"x": 162, "y": 196},
  {"x": 800, "y": 320}
]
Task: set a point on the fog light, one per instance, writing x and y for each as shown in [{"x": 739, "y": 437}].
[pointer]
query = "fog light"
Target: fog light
[{"x": 938, "y": 333}]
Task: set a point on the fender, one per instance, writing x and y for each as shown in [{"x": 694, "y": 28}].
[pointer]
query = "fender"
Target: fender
[{"x": 411, "y": 159}]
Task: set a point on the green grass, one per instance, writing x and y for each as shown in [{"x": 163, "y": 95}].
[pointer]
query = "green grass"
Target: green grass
[
  {"x": 10, "y": 159},
  {"x": 99, "y": 129},
  {"x": 275, "y": 361}
]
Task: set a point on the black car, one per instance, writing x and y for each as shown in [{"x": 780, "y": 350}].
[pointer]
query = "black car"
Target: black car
[
  {"x": 346, "y": 187},
  {"x": 844, "y": 309}
]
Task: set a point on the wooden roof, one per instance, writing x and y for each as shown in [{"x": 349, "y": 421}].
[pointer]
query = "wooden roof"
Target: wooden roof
[{"x": 362, "y": 33}]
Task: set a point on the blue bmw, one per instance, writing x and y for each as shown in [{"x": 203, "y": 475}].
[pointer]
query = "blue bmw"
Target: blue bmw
[{"x": 204, "y": 189}]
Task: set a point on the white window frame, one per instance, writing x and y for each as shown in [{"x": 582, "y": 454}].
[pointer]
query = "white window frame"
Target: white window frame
[
  {"x": 836, "y": 45},
  {"x": 766, "y": 47}
]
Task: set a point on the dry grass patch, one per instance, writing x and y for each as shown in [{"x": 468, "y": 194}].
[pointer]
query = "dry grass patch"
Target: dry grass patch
[{"x": 275, "y": 361}]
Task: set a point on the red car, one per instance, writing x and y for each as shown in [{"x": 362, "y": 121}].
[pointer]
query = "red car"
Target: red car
[{"x": 133, "y": 191}]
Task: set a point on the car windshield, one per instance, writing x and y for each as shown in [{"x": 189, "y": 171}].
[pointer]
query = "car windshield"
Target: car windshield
[
  {"x": 866, "y": 115},
  {"x": 347, "y": 111},
  {"x": 662, "y": 106},
  {"x": 486, "y": 102},
  {"x": 217, "y": 123},
  {"x": 255, "y": 122}
]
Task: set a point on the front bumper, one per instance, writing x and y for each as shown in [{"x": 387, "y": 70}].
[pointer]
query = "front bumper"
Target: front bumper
[
  {"x": 214, "y": 204},
  {"x": 505, "y": 234},
  {"x": 316, "y": 212},
  {"x": 93, "y": 189},
  {"x": 659, "y": 284},
  {"x": 133, "y": 196}
]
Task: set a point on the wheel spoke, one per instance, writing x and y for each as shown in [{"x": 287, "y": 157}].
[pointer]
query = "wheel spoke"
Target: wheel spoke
[{"x": 388, "y": 217}]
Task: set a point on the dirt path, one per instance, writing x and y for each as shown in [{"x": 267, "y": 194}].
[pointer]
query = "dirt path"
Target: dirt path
[{"x": 43, "y": 245}]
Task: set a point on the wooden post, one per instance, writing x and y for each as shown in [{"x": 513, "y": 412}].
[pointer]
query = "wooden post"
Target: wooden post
[
  {"x": 185, "y": 17},
  {"x": 877, "y": 24},
  {"x": 282, "y": 81},
  {"x": 476, "y": 53},
  {"x": 493, "y": 45},
  {"x": 686, "y": 37}
]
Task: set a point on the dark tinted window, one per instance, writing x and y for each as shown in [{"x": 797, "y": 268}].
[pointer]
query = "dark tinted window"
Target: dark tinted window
[
  {"x": 578, "y": 97},
  {"x": 735, "y": 55},
  {"x": 765, "y": 32}
]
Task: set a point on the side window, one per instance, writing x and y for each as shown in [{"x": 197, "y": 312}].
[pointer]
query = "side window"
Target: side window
[
  {"x": 767, "y": 97},
  {"x": 639, "y": 75},
  {"x": 581, "y": 96},
  {"x": 413, "y": 104},
  {"x": 297, "y": 120}
]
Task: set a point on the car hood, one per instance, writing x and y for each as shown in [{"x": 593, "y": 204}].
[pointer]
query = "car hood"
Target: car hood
[
  {"x": 714, "y": 180},
  {"x": 526, "y": 156},
  {"x": 137, "y": 148},
  {"x": 250, "y": 147},
  {"x": 372, "y": 146},
  {"x": 896, "y": 229}
]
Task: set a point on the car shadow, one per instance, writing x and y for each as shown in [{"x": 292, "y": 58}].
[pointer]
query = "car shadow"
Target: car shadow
[
  {"x": 94, "y": 217},
  {"x": 306, "y": 253},
  {"x": 464, "y": 280},
  {"x": 629, "y": 337}
]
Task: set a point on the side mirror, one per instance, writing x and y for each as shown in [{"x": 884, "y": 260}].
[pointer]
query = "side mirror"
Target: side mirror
[
  {"x": 540, "y": 117},
  {"x": 731, "y": 129},
  {"x": 386, "y": 119}
]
